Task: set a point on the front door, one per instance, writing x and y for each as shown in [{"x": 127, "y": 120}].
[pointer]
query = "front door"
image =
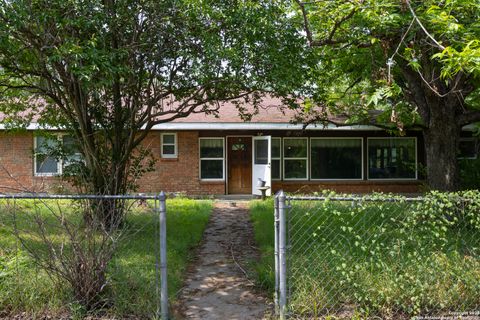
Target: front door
[{"x": 239, "y": 165}]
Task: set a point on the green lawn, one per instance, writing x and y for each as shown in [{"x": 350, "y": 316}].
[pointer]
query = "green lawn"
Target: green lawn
[
  {"x": 132, "y": 276},
  {"x": 383, "y": 259}
]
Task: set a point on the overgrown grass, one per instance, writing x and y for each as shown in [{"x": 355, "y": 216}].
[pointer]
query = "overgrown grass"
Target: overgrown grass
[
  {"x": 392, "y": 260},
  {"x": 24, "y": 287}
]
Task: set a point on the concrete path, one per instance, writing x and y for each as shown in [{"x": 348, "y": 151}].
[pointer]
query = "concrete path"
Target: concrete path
[{"x": 217, "y": 287}]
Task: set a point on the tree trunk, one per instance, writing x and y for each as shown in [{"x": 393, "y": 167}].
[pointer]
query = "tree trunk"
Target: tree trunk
[
  {"x": 439, "y": 109},
  {"x": 441, "y": 145}
]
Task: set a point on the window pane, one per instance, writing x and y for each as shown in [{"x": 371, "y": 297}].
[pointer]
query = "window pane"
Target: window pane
[
  {"x": 169, "y": 138},
  {"x": 45, "y": 161},
  {"x": 261, "y": 151},
  {"x": 295, "y": 169},
  {"x": 295, "y": 148},
  {"x": 239, "y": 147},
  {"x": 211, "y": 148},
  {"x": 391, "y": 158},
  {"x": 211, "y": 169},
  {"x": 336, "y": 158},
  {"x": 46, "y": 145},
  {"x": 168, "y": 149},
  {"x": 276, "y": 169},
  {"x": 71, "y": 148},
  {"x": 276, "y": 147},
  {"x": 46, "y": 164},
  {"x": 467, "y": 149}
]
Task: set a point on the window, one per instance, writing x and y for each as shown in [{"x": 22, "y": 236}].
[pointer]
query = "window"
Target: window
[
  {"x": 261, "y": 151},
  {"x": 54, "y": 154},
  {"x": 295, "y": 158},
  {"x": 392, "y": 158},
  {"x": 72, "y": 155},
  {"x": 212, "y": 158},
  {"x": 336, "y": 158},
  {"x": 169, "y": 145},
  {"x": 46, "y": 162},
  {"x": 276, "y": 158},
  {"x": 468, "y": 148}
]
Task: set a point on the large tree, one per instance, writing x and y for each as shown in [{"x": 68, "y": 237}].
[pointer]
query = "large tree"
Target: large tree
[
  {"x": 417, "y": 61},
  {"x": 109, "y": 70}
]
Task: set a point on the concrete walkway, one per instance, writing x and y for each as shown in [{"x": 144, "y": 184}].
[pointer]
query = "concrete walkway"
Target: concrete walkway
[{"x": 217, "y": 287}]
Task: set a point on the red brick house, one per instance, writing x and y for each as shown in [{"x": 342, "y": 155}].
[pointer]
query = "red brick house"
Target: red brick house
[{"x": 204, "y": 154}]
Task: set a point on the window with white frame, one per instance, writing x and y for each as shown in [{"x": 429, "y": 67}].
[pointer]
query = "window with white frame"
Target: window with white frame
[
  {"x": 53, "y": 154},
  {"x": 276, "y": 159},
  {"x": 336, "y": 158},
  {"x": 392, "y": 158},
  {"x": 169, "y": 145},
  {"x": 212, "y": 158},
  {"x": 468, "y": 148},
  {"x": 295, "y": 158},
  {"x": 46, "y": 162}
]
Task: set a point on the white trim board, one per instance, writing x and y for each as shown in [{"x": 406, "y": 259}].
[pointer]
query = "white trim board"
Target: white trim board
[{"x": 185, "y": 126}]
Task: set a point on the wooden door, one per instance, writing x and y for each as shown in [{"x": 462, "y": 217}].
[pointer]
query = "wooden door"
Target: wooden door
[{"x": 239, "y": 165}]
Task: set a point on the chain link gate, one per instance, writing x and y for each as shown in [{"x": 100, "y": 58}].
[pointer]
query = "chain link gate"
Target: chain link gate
[{"x": 377, "y": 257}]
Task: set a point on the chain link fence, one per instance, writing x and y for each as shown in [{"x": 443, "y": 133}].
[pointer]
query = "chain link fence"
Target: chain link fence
[
  {"x": 54, "y": 246},
  {"x": 378, "y": 257}
]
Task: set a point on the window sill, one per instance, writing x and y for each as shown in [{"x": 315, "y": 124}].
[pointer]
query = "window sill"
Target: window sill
[
  {"x": 172, "y": 159},
  {"x": 46, "y": 175},
  {"x": 212, "y": 181},
  {"x": 349, "y": 182}
]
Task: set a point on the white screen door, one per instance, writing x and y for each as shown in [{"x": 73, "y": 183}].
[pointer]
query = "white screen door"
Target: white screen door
[{"x": 262, "y": 159}]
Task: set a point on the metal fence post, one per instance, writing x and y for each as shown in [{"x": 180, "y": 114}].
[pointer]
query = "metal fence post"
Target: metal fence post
[
  {"x": 163, "y": 256},
  {"x": 282, "y": 244},
  {"x": 275, "y": 223}
]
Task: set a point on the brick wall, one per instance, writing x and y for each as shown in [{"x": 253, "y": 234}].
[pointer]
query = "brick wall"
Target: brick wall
[
  {"x": 16, "y": 165},
  {"x": 363, "y": 186},
  {"x": 180, "y": 174},
  {"x": 171, "y": 175}
]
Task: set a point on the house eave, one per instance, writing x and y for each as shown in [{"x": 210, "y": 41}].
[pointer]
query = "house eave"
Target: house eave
[{"x": 271, "y": 126}]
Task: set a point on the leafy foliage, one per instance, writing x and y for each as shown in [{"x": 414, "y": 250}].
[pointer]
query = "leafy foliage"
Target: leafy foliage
[
  {"x": 400, "y": 65},
  {"x": 108, "y": 71}
]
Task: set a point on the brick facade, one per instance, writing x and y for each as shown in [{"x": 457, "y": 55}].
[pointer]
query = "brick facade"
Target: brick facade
[{"x": 180, "y": 174}]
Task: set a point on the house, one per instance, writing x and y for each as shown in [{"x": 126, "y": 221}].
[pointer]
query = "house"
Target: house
[{"x": 203, "y": 154}]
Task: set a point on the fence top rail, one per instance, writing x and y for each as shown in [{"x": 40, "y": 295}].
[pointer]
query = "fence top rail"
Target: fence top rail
[
  {"x": 366, "y": 199},
  {"x": 81, "y": 196}
]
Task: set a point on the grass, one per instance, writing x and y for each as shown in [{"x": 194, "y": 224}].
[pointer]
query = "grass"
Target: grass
[
  {"x": 24, "y": 287},
  {"x": 379, "y": 259}
]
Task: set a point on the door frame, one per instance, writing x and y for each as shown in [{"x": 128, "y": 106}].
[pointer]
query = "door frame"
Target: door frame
[{"x": 227, "y": 156}]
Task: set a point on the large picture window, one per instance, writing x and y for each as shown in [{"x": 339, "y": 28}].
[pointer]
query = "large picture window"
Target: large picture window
[
  {"x": 295, "y": 158},
  {"x": 336, "y": 158},
  {"x": 392, "y": 158},
  {"x": 212, "y": 158}
]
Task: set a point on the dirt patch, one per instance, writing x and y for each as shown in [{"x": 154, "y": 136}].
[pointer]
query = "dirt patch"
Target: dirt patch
[{"x": 217, "y": 286}]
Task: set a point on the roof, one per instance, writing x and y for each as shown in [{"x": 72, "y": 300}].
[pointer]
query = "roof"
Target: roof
[{"x": 272, "y": 114}]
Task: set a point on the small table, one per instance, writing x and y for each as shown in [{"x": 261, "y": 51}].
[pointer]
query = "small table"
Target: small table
[{"x": 263, "y": 190}]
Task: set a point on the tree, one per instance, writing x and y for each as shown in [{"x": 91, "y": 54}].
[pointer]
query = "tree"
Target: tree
[
  {"x": 418, "y": 62},
  {"x": 109, "y": 70}
]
